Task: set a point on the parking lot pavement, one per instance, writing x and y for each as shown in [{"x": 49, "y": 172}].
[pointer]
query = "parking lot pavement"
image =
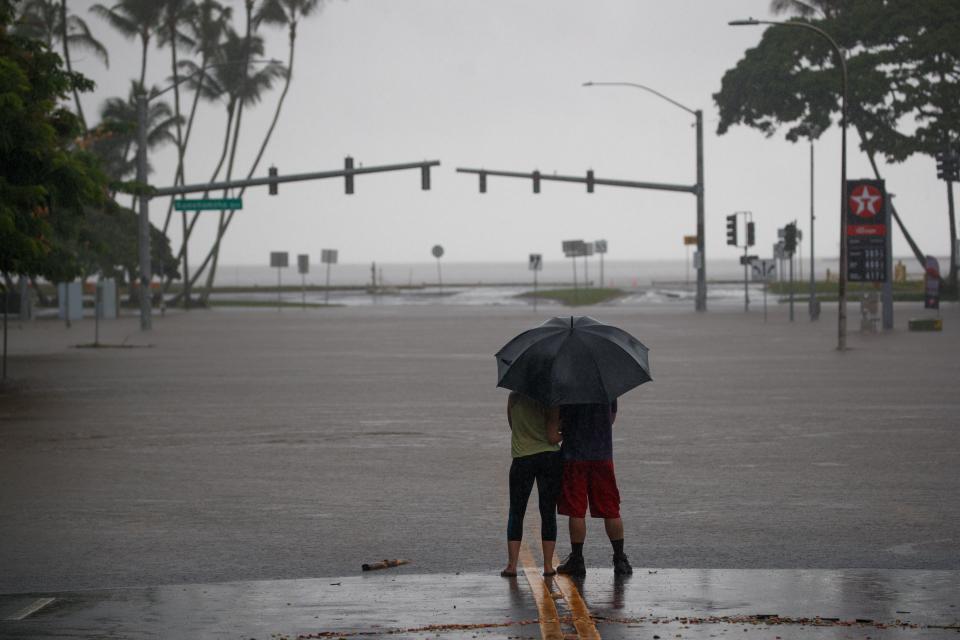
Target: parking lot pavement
[{"x": 395, "y": 603}]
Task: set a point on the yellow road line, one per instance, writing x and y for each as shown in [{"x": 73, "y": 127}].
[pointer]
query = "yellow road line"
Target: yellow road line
[
  {"x": 546, "y": 607},
  {"x": 582, "y": 620}
]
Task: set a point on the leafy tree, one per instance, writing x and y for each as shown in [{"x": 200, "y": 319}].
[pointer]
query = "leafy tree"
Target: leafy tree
[
  {"x": 45, "y": 181},
  {"x": 903, "y": 58},
  {"x": 109, "y": 242}
]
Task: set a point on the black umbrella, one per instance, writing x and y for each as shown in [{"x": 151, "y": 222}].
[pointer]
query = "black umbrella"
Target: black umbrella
[{"x": 573, "y": 360}]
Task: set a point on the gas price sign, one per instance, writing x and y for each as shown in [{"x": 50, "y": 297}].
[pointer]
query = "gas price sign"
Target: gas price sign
[{"x": 867, "y": 229}]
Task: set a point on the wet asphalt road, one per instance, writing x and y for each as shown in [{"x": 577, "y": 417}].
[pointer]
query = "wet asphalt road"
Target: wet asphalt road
[{"x": 252, "y": 445}]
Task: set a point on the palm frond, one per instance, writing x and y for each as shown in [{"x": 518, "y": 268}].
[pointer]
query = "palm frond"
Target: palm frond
[
  {"x": 126, "y": 27},
  {"x": 79, "y": 37}
]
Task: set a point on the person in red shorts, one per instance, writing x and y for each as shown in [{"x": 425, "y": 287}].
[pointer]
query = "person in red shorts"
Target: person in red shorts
[{"x": 589, "y": 479}]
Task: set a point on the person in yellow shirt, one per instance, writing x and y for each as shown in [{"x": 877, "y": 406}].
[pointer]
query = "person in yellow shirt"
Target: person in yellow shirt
[{"x": 535, "y": 448}]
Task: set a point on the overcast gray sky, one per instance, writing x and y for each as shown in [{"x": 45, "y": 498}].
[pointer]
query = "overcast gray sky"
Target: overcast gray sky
[{"x": 497, "y": 84}]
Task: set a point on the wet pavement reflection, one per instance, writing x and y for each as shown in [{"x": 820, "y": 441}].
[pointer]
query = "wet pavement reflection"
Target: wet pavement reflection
[{"x": 662, "y": 603}]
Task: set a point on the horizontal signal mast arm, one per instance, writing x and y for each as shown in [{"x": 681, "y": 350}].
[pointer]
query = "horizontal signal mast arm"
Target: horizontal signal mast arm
[
  {"x": 659, "y": 186},
  {"x": 295, "y": 177}
]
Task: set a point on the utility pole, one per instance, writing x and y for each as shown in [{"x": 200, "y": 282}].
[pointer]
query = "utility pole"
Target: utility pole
[
  {"x": 701, "y": 303},
  {"x": 813, "y": 307},
  {"x": 144, "y": 200},
  {"x": 748, "y": 241}
]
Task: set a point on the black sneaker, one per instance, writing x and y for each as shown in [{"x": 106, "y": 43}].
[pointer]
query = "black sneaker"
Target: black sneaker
[
  {"x": 621, "y": 565},
  {"x": 573, "y": 566}
]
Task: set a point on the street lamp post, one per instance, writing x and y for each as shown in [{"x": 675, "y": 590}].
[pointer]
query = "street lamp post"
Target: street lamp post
[
  {"x": 842, "y": 287},
  {"x": 701, "y": 299},
  {"x": 144, "y": 201}
]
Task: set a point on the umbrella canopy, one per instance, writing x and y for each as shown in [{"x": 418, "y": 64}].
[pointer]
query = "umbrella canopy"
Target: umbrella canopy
[{"x": 573, "y": 360}]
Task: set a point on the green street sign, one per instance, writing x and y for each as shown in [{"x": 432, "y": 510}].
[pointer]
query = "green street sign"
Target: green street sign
[{"x": 209, "y": 203}]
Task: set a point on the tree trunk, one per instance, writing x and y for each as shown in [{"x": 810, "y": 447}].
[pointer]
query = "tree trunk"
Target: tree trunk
[
  {"x": 223, "y": 154},
  {"x": 266, "y": 139},
  {"x": 180, "y": 177},
  {"x": 41, "y": 297},
  {"x": 221, "y": 227},
  {"x": 871, "y": 156},
  {"x": 145, "y": 40},
  {"x": 66, "y": 60},
  {"x": 176, "y": 112}
]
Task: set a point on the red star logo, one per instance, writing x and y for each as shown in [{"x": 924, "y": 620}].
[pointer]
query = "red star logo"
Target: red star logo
[{"x": 866, "y": 201}]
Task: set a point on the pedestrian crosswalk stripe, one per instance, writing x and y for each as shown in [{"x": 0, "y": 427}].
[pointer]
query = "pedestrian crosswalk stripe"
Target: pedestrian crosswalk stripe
[{"x": 30, "y": 609}]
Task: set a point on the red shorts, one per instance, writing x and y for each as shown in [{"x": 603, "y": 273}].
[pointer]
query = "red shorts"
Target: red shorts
[{"x": 593, "y": 481}]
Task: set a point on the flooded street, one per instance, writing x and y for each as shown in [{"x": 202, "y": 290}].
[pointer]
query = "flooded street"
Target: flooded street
[{"x": 239, "y": 445}]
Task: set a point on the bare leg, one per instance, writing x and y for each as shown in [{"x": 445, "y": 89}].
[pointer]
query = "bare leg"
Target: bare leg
[
  {"x": 548, "y": 548},
  {"x": 578, "y": 530},
  {"x": 513, "y": 552},
  {"x": 614, "y": 527}
]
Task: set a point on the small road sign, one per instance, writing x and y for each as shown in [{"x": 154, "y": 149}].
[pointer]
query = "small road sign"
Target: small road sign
[
  {"x": 437, "y": 251},
  {"x": 536, "y": 262},
  {"x": 279, "y": 259},
  {"x": 748, "y": 259},
  {"x": 303, "y": 263},
  {"x": 689, "y": 240},
  {"x": 764, "y": 269},
  {"x": 218, "y": 204},
  {"x": 328, "y": 256},
  {"x": 574, "y": 248},
  {"x": 600, "y": 246}
]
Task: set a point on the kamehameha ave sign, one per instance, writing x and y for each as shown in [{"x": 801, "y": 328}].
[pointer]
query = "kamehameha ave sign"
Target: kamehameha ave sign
[{"x": 867, "y": 228}]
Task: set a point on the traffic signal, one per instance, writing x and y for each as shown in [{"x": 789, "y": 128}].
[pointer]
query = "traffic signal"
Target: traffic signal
[
  {"x": 348, "y": 179},
  {"x": 948, "y": 166},
  {"x": 425, "y": 178},
  {"x": 590, "y": 181},
  {"x": 732, "y": 229},
  {"x": 751, "y": 237},
  {"x": 273, "y": 185},
  {"x": 790, "y": 238},
  {"x": 536, "y": 182}
]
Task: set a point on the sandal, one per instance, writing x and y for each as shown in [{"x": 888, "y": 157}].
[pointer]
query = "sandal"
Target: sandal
[
  {"x": 547, "y": 574},
  {"x": 508, "y": 574}
]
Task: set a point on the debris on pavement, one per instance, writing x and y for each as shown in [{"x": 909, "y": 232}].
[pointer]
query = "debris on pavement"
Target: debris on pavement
[{"x": 383, "y": 564}]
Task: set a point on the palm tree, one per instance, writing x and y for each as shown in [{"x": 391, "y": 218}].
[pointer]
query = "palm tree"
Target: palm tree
[
  {"x": 240, "y": 83},
  {"x": 280, "y": 13},
  {"x": 283, "y": 13},
  {"x": 49, "y": 21},
  {"x": 117, "y": 132},
  {"x": 134, "y": 19},
  {"x": 176, "y": 14},
  {"x": 205, "y": 24}
]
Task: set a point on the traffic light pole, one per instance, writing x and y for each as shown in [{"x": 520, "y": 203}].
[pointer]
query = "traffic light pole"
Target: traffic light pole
[
  {"x": 590, "y": 181},
  {"x": 295, "y": 177},
  {"x": 791, "y": 282},
  {"x": 271, "y": 180},
  {"x": 746, "y": 273},
  {"x": 953, "y": 240}
]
